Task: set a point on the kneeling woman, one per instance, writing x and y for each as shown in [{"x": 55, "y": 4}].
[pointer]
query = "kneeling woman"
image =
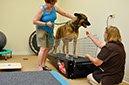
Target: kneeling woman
[{"x": 110, "y": 60}]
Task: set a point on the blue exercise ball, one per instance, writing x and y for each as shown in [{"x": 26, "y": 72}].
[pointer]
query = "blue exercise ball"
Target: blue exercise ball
[{"x": 3, "y": 40}]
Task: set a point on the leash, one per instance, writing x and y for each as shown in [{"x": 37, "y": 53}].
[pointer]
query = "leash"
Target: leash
[{"x": 60, "y": 23}]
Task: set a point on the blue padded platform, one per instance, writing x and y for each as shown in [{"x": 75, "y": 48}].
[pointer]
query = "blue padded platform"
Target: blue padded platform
[{"x": 32, "y": 78}]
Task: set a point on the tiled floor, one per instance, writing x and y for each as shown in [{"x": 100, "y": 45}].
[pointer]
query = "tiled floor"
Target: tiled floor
[{"x": 29, "y": 64}]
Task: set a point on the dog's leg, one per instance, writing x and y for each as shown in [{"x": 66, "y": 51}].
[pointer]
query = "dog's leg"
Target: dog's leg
[
  {"x": 74, "y": 47},
  {"x": 63, "y": 48},
  {"x": 56, "y": 44},
  {"x": 67, "y": 48}
]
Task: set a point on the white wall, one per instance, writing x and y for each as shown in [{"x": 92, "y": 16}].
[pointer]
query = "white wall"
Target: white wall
[{"x": 16, "y": 20}]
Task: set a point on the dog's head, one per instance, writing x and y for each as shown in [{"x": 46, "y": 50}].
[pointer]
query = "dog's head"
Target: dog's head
[{"x": 82, "y": 19}]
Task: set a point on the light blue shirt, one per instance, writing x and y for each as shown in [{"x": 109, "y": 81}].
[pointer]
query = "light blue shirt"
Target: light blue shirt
[{"x": 46, "y": 17}]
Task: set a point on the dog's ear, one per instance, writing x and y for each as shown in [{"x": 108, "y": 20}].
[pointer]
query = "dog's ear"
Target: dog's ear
[{"x": 77, "y": 15}]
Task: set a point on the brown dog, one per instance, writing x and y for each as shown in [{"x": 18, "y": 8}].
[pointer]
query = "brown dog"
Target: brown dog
[{"x": 69, "y": 32}]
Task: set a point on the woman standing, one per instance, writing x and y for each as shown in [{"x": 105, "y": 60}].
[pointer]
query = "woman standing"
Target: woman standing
[{"x": 44, "y": 20}]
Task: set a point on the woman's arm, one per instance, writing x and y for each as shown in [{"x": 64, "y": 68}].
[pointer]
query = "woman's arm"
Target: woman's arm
[
  {"x": 36, "y": 19},
  {"x": 96, "y": 41},
  {"x": 64, "y": 13},
  {"x": 94, "y": 60}
]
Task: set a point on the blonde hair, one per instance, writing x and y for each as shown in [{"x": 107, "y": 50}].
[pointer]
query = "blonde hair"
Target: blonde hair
[{"x": 113, "y": 34}]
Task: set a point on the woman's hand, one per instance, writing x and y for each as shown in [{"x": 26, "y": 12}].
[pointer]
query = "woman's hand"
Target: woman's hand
[{"x": 50, "y": 24}]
